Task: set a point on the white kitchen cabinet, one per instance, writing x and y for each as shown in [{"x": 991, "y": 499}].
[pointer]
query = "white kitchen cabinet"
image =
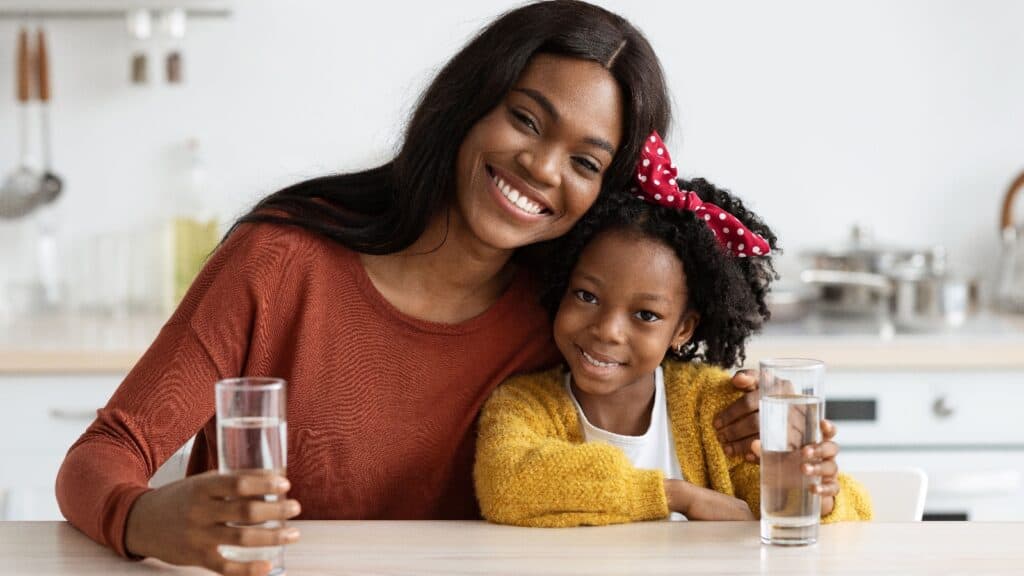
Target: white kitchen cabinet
[
  {"x": 43, "y": 416},
  {"x": 957, "y": 425}
]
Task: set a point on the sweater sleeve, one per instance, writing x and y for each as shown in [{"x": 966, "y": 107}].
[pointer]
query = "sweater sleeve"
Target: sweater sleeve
[
  {"x": 162, "y": 402},
  {"x": 746, "y": 482},
  {"x": 529, "y": 473},
  {"x": 165, "y": 399},
  {"x": 852, "y": 502}
]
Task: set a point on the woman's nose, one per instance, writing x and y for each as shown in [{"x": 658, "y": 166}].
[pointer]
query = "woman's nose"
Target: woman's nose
[{"x": 543, "y": 164}]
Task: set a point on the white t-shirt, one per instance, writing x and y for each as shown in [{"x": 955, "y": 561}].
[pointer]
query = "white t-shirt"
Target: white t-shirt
[{"x": 654, "y": 450}]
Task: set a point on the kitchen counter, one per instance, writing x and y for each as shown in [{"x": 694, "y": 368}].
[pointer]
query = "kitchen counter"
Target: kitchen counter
[
  {"x": 353, "y": 547},
  {"x": 103, "y": 345},
  {"x": 75, "y": 344},
  {"x": 984, "y": 342}
]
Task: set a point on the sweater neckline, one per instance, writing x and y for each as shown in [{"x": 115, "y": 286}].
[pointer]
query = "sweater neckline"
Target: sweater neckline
[
  {"x": 517, "y": 290},
  {"x": 659, "y": 404}
]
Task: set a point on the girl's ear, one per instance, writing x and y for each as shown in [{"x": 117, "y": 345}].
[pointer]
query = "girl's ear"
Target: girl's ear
[{"x": 687, "y": 326}]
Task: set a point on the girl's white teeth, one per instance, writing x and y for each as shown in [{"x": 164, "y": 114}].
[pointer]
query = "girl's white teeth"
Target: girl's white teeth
[
  {"x": 597, "y": 362},
  {"x": 517, "y": 199}
]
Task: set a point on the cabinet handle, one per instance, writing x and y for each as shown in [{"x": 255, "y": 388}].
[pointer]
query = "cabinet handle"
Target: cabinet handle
[
  {"x": 941, "y": 408},
  {"x": 76, "y": 415}
]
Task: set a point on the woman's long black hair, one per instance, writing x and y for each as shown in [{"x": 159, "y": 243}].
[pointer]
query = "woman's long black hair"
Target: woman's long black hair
[{"x": 385, "y": 209}]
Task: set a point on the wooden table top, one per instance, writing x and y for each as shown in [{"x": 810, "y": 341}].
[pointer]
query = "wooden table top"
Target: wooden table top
[{"x": 648, "y": 548}]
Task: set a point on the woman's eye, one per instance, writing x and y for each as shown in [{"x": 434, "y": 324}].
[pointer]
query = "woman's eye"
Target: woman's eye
[
  {"x": 648, "y": 316},
  {"x": 587, "y": 165},
  {"x": 526, "y": 121},
  {"x": 584, "y": 296}
]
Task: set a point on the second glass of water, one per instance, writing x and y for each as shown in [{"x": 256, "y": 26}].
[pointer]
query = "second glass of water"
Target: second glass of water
[
  {"x": 792, "y": 405},
  {"x": 252, "y": 436}
]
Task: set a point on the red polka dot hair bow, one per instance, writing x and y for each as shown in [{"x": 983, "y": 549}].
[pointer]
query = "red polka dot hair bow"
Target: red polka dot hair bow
[{"x": 656, "y": 183}]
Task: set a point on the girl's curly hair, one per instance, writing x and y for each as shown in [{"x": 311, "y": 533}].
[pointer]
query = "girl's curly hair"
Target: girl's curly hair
[{"x": 728, "y": 292}]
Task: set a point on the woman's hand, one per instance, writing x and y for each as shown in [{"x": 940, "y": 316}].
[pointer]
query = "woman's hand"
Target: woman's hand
[
  {"x": 184, "y": 522},
  {"x": 697, "y": 503},
  {"x": 819, "y": 460},
  {"x": 739, "y": 423}
]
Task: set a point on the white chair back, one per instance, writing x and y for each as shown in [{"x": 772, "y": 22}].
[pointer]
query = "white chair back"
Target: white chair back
[{"x": 897, "y": 495}]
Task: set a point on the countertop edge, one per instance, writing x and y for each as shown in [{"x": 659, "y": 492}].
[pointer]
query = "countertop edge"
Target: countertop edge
[
  {"x": 68, "y": 361},
  {"x": 850, "y": 355}
]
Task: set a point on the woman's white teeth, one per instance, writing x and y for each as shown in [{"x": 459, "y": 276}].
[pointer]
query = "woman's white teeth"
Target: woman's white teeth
[
  {"x": 519, "y": 200},
  {"x": 597, "y": 362}
]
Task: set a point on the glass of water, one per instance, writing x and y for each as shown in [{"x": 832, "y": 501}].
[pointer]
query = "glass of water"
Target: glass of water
[
  {"x": 252, "y": 436},
  {"x": 792, "y": 405}
]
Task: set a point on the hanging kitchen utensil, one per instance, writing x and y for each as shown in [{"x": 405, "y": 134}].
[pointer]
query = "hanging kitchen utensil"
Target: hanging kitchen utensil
[
  {"x": 17, "y": 195},
  {"x": 174, "y": 27},
  {"x": 140, "y": 27},
  {"x": 1010, "y": 290},
  {"x": 50, "y": 184}
]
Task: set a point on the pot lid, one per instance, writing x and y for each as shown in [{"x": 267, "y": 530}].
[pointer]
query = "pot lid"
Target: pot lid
[{"x": 861, "y": 243}]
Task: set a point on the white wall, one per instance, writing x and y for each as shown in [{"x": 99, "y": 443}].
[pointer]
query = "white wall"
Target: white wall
[{"x": 905, "y": 114}]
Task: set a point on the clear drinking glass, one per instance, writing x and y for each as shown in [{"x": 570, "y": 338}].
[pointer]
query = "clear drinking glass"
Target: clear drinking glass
[
  {"x": 252, "y": 436},
  {"x": 792, "y": 405}
]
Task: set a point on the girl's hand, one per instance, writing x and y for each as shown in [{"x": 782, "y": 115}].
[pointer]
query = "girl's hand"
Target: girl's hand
[
  {"x": 820, "y": 460},
  {"x": 739, "y": 423},
  {"x": 697, "y": 503},
  {"x": 184, "y": 522}
]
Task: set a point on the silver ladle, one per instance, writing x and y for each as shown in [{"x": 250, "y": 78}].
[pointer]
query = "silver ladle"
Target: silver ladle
[{"x": 17, "y": 195}]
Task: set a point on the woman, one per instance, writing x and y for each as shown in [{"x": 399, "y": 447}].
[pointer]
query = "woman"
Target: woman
[{"x": 392, "y": 300}]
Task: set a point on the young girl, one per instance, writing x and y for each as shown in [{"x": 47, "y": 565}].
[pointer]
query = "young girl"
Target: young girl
[{"x": 625, "y": 434}]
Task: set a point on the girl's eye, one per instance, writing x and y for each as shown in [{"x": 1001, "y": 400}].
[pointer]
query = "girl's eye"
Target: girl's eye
[
  {"x": 587, "y": 165},
  {"x": 647, "y": 316},
  {"x": 526, "y": 121},
  {"x": 584, "y": 296}
]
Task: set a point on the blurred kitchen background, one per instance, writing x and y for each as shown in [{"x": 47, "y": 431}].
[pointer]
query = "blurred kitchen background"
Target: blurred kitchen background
[{"x": 878, "y": 138}]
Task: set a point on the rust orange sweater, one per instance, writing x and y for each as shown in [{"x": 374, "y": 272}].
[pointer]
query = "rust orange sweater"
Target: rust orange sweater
[{"x": 381, "y": 407}]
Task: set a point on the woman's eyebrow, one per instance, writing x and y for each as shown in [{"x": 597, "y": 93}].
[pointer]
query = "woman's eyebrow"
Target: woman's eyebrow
[
  {"x": 541, "y": 101},
  {"x": 548, "y": 107}
]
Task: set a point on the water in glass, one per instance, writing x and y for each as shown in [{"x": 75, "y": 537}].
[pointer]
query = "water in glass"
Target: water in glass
[
  {"x": 789, "y": 510},
  {"x": 248, "y": 444}
]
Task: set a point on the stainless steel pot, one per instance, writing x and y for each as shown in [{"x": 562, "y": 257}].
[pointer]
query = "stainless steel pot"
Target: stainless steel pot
[
  {"x": 909, "y": 299},
  {"x": 867, "y": 266},
  {"x": 924, "y": 302},
  {"x": 905, "y": 288}
]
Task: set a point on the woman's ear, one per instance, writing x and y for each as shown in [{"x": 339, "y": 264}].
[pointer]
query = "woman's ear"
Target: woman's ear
[{"x": 687, "y": 326}]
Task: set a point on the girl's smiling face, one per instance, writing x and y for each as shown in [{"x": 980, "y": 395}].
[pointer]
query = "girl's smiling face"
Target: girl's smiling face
[
  {"x": 625, "y": 305},
  {"x": 529, "y": 169}
]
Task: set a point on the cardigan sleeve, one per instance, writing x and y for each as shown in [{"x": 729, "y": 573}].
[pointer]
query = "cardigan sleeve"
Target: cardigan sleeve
[
  {"x": 529, "y": 472},
  {"x": 746, "y": 482},
  {"x": 852, "y": 502},
  {"x": 709, "y": 392}
]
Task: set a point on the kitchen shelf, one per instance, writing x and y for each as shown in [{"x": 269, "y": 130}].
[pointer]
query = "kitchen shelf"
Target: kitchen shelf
[{"x": 107, "y": 9}]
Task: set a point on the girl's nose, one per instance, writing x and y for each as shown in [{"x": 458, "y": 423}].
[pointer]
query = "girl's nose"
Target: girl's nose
[
  {"x": 542, "y": 163},
  {"x": 609, "y": 328}
]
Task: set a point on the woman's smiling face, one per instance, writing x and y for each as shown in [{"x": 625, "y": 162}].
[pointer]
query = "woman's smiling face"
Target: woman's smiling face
[
  {"x": 530, "y": 168},
  {"x": 625, "y": 305}
]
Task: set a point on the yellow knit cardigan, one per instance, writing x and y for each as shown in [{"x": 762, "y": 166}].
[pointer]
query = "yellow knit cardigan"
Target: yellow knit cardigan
[{"x": 533, "y": 467}]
